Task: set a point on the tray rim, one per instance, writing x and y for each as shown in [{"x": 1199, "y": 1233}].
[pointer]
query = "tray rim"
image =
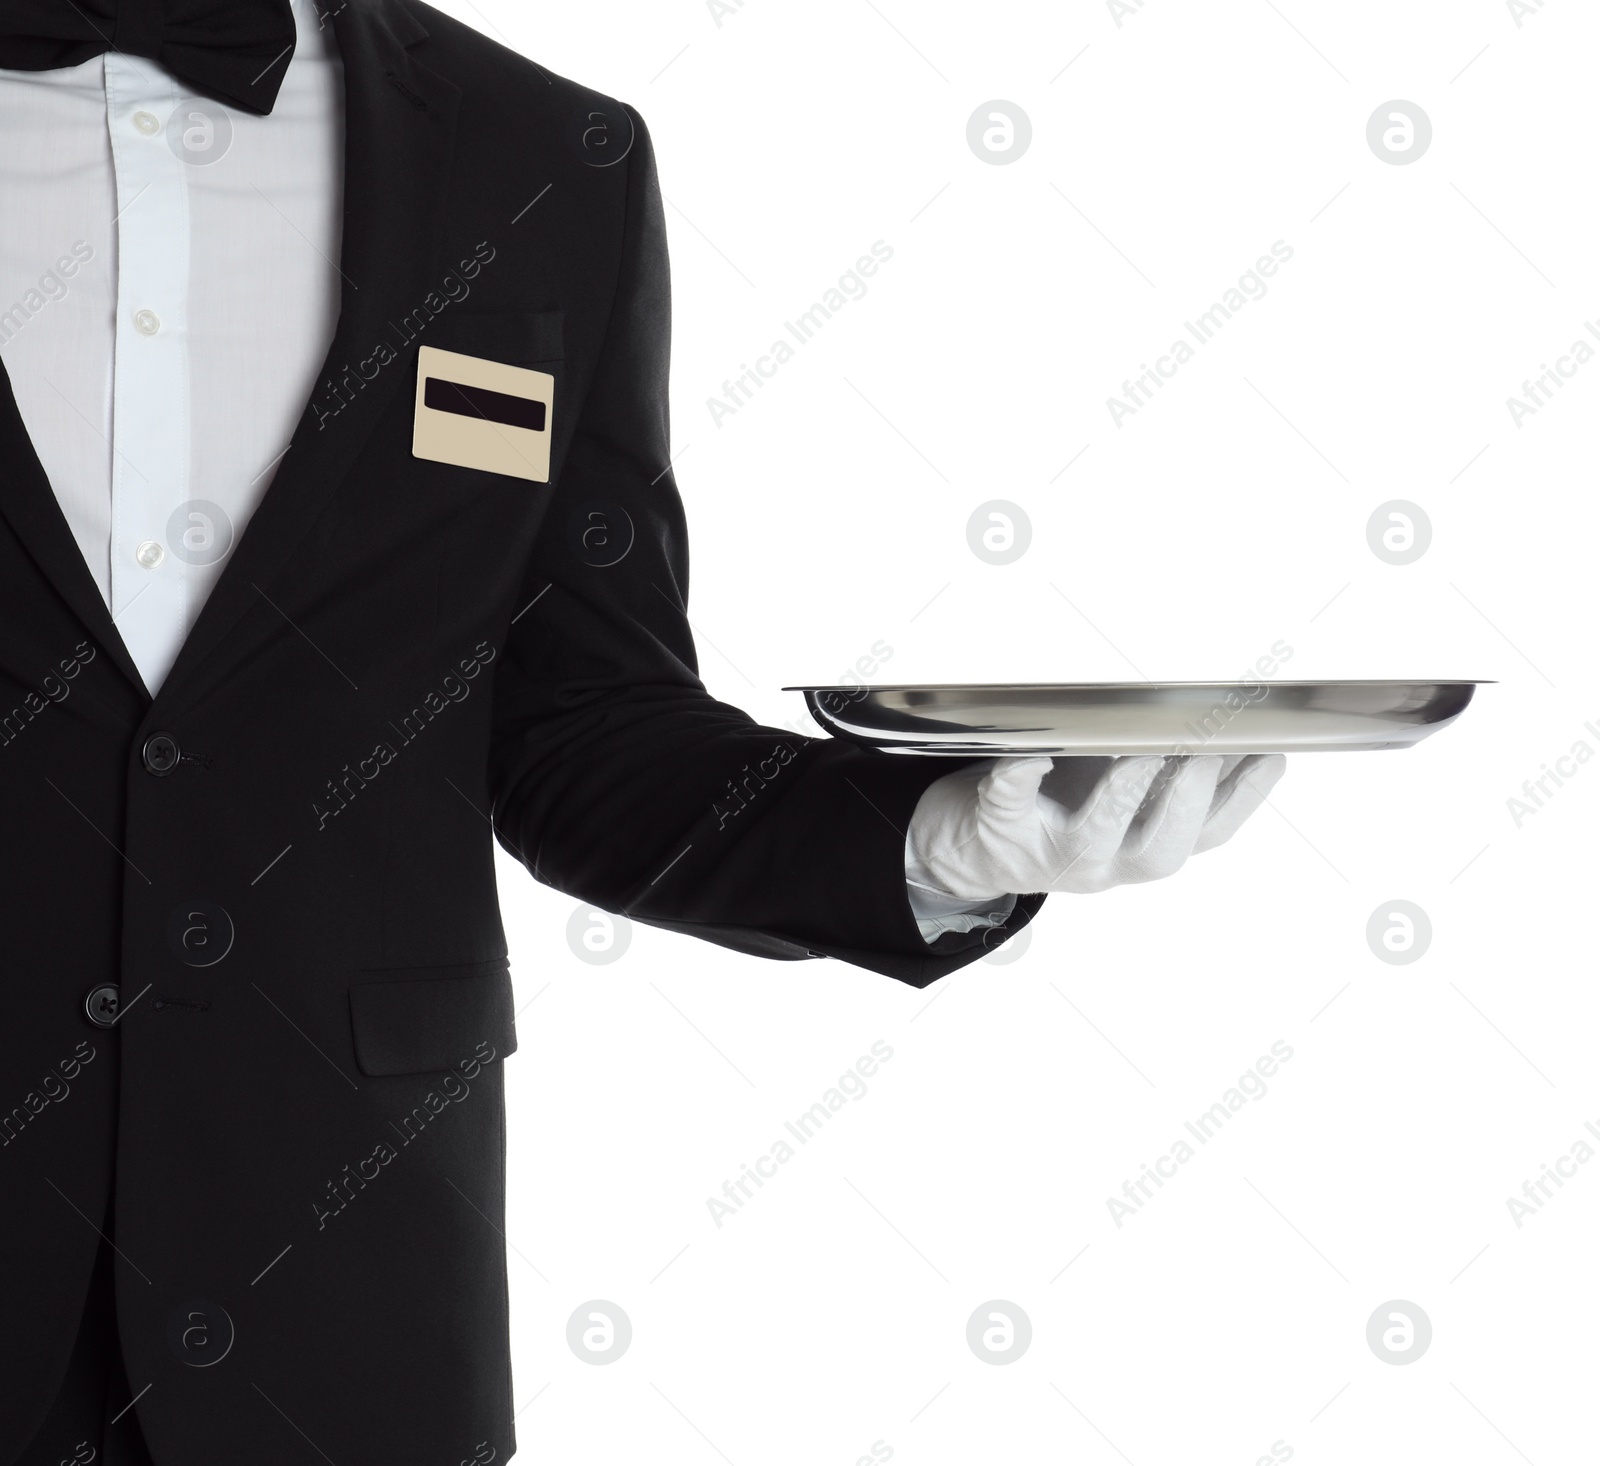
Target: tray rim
[
  {"x": 940, "y": 714},
  {"x": 861, "y": 687}
]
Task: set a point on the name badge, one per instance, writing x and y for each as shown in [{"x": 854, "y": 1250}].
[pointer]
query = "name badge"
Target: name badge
[{"x": 483, "y": 414}]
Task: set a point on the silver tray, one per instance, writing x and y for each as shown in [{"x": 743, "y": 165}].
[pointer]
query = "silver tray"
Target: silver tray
[{"x": 1115, "y": 718}]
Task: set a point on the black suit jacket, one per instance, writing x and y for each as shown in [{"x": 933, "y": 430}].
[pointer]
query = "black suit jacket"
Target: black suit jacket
[{"x": 297, "y": 1122}]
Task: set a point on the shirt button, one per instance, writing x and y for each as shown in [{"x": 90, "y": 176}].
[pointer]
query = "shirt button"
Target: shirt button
[
  {"x": 147, "y": 323},
  {"x": 102, "y": 1005},
  {"x": 149, "y": 554},
  {"x": 147, "y": 123},
  {"x": 161, "y": 754}
]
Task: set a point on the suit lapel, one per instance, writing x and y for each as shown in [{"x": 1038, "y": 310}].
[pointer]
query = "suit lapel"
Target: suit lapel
[
  {"x": 34, "y": 513},
  {"x": 400, "y": 123}
]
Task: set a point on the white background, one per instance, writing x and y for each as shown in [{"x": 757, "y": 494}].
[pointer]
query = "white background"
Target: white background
[{"x": 1230, "y": 1313}]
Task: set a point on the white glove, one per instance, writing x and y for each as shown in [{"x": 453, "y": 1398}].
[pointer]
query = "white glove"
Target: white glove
[{"x": 1078, "y": 824}]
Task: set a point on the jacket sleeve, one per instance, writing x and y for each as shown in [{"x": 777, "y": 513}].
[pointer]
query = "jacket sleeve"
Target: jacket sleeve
[{"x": 615, "y": 776}]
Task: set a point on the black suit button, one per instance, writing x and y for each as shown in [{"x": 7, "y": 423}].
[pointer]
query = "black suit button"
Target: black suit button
[
  {"x": 103, "y": 1005},
  {"x": 161, "y": 754}
]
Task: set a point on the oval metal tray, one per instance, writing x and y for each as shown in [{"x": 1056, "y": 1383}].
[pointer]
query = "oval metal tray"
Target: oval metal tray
[{"x": 1117, "y": 718}]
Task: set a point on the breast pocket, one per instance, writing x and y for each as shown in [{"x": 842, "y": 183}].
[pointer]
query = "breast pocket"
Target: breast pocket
[
  {"x": 416, "y": 1020},
  {"x": 491, "y": 393},
  {"x": 516, "y": 338}
]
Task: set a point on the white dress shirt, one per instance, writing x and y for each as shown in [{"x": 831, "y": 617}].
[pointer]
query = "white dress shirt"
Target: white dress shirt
[{"x": 169, "y": 288}]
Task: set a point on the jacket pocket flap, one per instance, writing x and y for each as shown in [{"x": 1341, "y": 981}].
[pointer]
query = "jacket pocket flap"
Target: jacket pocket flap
[{"x": 414, "y": 1020}]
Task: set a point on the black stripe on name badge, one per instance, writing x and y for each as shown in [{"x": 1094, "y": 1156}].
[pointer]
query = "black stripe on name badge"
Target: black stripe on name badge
[{"x": 480, "y": 402}]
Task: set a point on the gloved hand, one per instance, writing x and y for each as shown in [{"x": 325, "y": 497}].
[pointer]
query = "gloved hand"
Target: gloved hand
[{"x": 1025, "y": 824}]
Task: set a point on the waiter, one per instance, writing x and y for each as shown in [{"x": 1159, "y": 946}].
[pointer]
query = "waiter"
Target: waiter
[{"x": 338, "y": 535}]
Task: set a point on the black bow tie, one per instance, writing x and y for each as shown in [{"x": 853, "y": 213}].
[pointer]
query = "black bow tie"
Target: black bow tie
[{"x": 237, "y": 50}]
